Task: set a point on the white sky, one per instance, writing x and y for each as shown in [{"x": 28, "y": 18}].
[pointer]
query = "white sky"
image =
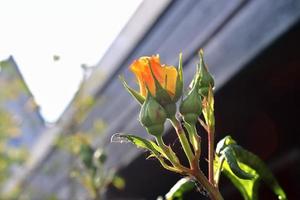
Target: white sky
[{"x": 79, "y": 31}]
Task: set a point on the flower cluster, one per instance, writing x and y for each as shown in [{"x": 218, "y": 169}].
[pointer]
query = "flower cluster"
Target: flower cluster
[{"x": 160, "y": 88}]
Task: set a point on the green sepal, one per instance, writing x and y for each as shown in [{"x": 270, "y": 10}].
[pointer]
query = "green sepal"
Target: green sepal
[
  {"x": 179, "y": 81},
  {"x": 206, "y": 79},
  {"x": 170, "y": 110},
  {"x": 183, "y": 186},
  {"x": 208, "y": 109},
  {"x": 161, "y": 95},
  {"x": 155, "y": 130},
  {"x": 196, "y": 78},
  {"x": 137, "y": 96}
]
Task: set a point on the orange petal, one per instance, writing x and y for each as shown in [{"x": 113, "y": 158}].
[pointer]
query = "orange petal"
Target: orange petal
[
  {"x": 142, "y": 72},
  {"x": 137, "y": 68},
  {"x": 166, "y": 76},
  {"x": 157, "y": 69}
]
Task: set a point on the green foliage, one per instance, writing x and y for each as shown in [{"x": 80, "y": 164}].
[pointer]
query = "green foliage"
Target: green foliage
[
  {"x": 90, "y": 171},
  {"x": 86, "y": 155},
  {"x": 139, "y": 98},
  {"x": 161, "y": 151},
  {"x": 11, "y": 88},
  {"x": 232, "y": 162},
  {"x": 247, "y": 187},
  {"x": 182, "y": 187},
  {"x": 244, "y": 169},
  {"x": 89, "y": 168},
  {"x": 139, "y": 142}
]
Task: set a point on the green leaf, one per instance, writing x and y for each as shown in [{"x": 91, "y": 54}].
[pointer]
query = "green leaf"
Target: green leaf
[
  {"x": 137, "y": 96},
  {"x": 139, "y": 142},
  {"x": 222, "y": 144},
  {"x": 183, "y": 186},
  {"x": 149, "y": 145},
  {"x": 241, "y": 163},
  {"x": 248, "y": 188},
  {"x": 232, "y": 162},
  {"x": 261, "y": 168}
]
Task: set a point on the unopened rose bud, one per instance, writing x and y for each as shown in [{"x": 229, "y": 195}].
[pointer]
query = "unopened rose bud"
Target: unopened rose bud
[
  {"x": 191, "y": 106},
  {"x": 153, "y": 116},
  {"x": 206, "y": 79}
]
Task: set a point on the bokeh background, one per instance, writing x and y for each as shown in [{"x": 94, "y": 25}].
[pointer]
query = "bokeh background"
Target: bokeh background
[{"x": 250, "y": 46}]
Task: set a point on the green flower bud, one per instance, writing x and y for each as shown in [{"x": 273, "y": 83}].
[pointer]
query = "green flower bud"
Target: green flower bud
[
  {"x": 170, "y": 110},
  {"x": 206, "y": 80},
  {"x": 155, "y": 130},
  {"x": 191, "y": 106},
  {"x": 204, "y": 91},
  {"x": 153, "y": 116}
]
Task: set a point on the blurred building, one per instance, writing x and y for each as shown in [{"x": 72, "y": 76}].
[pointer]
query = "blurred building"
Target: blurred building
[
  {"x": 251, "y": 48},
  {"x": 20, "y": 121},
  {"x": 17, "y": 101}
]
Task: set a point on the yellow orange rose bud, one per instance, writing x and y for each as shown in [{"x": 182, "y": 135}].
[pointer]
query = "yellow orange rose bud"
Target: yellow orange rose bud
[
  {"x": 164, "y": 82},
  {"x": 165, "y": 75},
  {"x": 153, "y": 116}
]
